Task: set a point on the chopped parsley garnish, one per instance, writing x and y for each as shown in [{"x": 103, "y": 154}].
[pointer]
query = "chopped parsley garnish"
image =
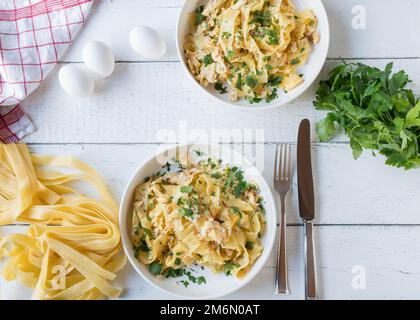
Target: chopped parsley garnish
[
  {"x": 236, "y": 182},
  {"x": 254, "y": 99},
  {"x": 219, "y": 87},
  {"x": 229, "y": 266},
  {"x": 226, "y": 35},
  {"x": 207, "y": 60},
  {"x": 173, "y": 273},
  {"x": 273, "y": 37},
  {"x": 261, "y": 17},
  {"x": 272, "y": 96},
  {"x": 147, "y": 233},
  {"x": 199, "y": 153},
  {"x": 237, "y": 211},
  {"x": 216, "y": 175},
  {"x": 240, "y": 188},
  {"x": 176, "y": 273},
  {"x": 251, "y": 81},
  {"x": 201, "y": 280},
  {"x": 295, "y": 61},
  {"x": 155, "y": 268},
  {"x": 198, "y": 15},
  {"x": 186, "y": 189},
  {"x": 239, "y": 82},
  {"x": 274, "y": 81},
  {"x": 142, "y": 247},
  {"x": 249, "y": 245},
  {"x": 186, "y": 212}
]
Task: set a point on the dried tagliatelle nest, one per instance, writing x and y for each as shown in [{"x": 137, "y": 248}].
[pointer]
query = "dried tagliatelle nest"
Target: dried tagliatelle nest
[{"x": 72, "y": 248}]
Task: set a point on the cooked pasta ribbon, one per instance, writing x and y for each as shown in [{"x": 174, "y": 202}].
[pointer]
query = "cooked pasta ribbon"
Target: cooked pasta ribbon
[
  {"x": 72, "y": 249},
  {"x": 255, "y": 46},
  {"x": 201, "y": 213}
]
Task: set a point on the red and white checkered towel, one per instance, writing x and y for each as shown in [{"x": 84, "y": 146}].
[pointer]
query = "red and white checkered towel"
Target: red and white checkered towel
[{"x": 33, "y": 36}]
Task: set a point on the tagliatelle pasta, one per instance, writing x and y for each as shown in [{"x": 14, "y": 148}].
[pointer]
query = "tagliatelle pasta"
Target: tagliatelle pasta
[
  {"x": 198, "y": 213},
  {"x": 72, "y": 248},
  {"x": 255, "y": 46}
]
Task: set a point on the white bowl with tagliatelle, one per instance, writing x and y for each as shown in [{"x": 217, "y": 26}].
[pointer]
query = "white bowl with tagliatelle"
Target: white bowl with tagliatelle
[
  {"x": 198, "y": 222},
  {"x": 253, "y": 53}
]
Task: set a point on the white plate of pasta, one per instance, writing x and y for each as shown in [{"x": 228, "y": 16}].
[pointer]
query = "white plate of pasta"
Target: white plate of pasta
[
  {"x": 253, "y": 53},
  {"x": 198, "y": 221}
]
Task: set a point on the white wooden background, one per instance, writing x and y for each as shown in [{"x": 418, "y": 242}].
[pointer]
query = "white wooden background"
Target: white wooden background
[{"x": 368, "y": 214}]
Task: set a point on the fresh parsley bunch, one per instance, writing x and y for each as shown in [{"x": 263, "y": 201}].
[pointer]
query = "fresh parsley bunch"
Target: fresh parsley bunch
[{"x": 375, "y": 109}]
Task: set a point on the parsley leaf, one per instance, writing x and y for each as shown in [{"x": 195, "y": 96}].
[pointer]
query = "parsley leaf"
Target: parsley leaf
[
  {"x": 155, "y": 268},
  {"x": 249, "y": 245},
  {"x": 186, "y": 189},
  {"x": 186, "y": 212},
  {"x": 198, "y": 15},
  {"x": 185, "y": 283},
  {"x": 295, "y": 61},
  {"x": 147, "y": 233},
  {"x": 201, "y": 280},
  {"x": 216, "y": 175},
  {"x": 207, "y": 60},
  {"x": 229, "y": 266},
  {"x": 274, "y": 81},
  {"x": 226, "y": 35},
  {"x": 251, "y": 81},
  {"x": 239, "y": 82},
  {"x": 375, "y": 110},
  {"x": 219, "y": 87},
  {"x": 272, "y": 96},
  {"x": 261, "y": 17}
]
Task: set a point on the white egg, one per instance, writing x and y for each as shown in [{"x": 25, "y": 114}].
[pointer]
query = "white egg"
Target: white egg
[
  {"x": 75, "y": 81},
  {"x": 99, "y": 58},
  {"x": 147, "y": 42}
]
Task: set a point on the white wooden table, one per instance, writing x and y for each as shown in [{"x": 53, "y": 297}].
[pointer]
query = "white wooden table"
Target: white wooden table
[{"x": 368, "y": 214}]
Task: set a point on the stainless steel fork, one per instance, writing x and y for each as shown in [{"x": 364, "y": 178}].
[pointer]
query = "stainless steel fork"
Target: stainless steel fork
[{"x": 282, "y": 184}]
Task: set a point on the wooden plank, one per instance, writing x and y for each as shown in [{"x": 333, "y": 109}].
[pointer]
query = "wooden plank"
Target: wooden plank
[
  {"x": 341, "y": 251},
  {"x": 401, "y": 37},
  {"x": 365, "y": 191},
  {"x": 144, "y": 102}
]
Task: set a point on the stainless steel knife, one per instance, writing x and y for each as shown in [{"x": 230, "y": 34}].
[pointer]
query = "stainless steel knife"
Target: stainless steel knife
[{"x": 307, "y": 205}]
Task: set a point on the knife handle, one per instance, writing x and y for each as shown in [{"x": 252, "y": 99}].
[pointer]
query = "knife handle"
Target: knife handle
[{"x": 310, "y": 267}]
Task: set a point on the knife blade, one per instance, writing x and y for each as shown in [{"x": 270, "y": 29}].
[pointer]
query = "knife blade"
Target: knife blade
[
  {"x": 307, "y": 205},
  {"x": 304, "y": 172}
]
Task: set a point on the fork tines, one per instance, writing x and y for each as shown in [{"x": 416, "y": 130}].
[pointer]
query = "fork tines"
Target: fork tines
[{"x": 283, "y": 164}]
